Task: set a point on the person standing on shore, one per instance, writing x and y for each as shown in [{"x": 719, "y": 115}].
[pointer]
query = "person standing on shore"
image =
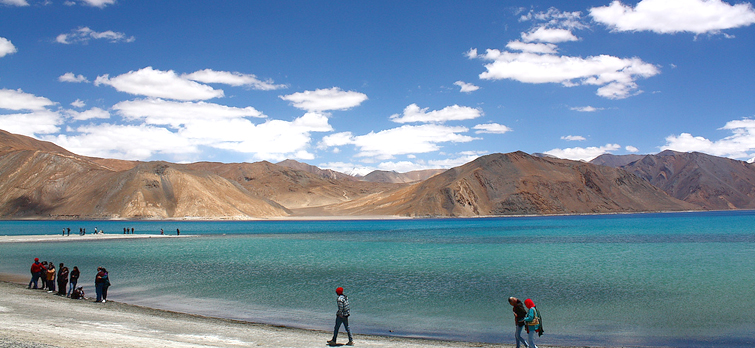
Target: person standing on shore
[
  {"x": 532, "y": 320},
  {"x": 519, "y": 314},
  {"x": 36, "y": 272},
  {"x": 99, "y": 283},
  {"x": 105, "y": 284},
  {"x": 50, "y": 277},
  {"x": 342, "y": 317},
  {"x": 74, "y": 279},
  {"x": 62, "y": 279}
]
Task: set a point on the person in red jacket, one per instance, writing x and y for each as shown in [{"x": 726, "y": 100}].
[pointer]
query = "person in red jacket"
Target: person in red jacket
[{"x": 36, "y": 272}]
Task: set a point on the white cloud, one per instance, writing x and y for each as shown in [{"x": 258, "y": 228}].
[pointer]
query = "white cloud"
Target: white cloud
[
  {"x": 18, "y": 100},
  {"x": 555, "y": 18},
  {"x": 586, "y": 108},
  {"x": 491, "y": 128},
  {"x": 466, "y": 87},
  {"x": 78, "y": 103},
  {"x": 348, "y": 168},
  {"x": 6, "y": 47},
  {"x": 739, "y": 145},
  {"x": 549, "y": 35},
  {"x": 164, "y": 112},
  {"x": 573, "y": 138},
  {"x": 673, "y": 16},
  {"x": 84, "y": 35},
  {"x": 98, "y": 3},
  {"x": 233, "y": 79},
  {"x": 616, "y": 75},
  {"x": 583, "y": 153},
  {"x": 159, "y": 84},
  {"x": 29, "y": 124},
  {"x": 631, "y": 149},
  {"x": 70, "y": 77},
  {"x": 14, "y": 2},
  {"x": 413, "y": 113},
  {"x": 403, "y": 140},
  {"x": 532, "y": 47},
  {"x": 471, "y": 54},
  {"x": 93, "y": 113},
  {"x": 325, "y": 99}
]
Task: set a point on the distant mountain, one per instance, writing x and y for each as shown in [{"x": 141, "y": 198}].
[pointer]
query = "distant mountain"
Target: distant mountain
[
  {"x": 615, "y": 161},
  {"x": 325, "y": 173},
  {"x": 708, "y": 181},
  {"x": 394, "y": 177},
  {"x": 518, "y": 183}
]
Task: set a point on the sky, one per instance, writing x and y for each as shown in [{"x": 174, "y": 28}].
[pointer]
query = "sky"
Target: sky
[{"x": 357, "y": 86}]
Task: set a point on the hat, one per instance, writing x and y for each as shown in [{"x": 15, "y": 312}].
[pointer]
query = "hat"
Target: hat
[
  {"x": 529, "y": 303},
  {"x": 339, "y": 290},
  {"x": 36, "y": 259}
]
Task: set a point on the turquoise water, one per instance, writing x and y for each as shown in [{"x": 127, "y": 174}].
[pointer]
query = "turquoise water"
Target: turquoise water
[{"x": 679, "y": 279}]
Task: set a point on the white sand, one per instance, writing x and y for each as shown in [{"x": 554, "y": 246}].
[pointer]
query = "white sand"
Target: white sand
[{"x": 73, "y": 238}]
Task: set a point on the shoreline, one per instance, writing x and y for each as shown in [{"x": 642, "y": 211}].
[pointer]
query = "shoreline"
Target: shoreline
[
  {"x": 88, "y": 237},
  {"x": 36, "y": 318}
]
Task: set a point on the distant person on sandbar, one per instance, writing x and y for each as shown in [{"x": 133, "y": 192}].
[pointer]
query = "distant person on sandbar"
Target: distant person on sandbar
[
  {"x": 50, "y": 277},
  {"x": 533, "y": 322},
  {"x": 342, "y": 317},
  {"x": 69, "y": 231},
  {"x": 62, "y": 279},
  {"x": 132, "y": 230},
  {"x": 519, "y": 314},
  {"x": 36, "y": 272},
  {"x": 75, "y": 273},
  {"x": 178, "y": 232}
]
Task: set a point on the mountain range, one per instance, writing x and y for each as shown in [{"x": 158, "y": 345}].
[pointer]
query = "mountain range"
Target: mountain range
[{"x": 42, "y": 180}]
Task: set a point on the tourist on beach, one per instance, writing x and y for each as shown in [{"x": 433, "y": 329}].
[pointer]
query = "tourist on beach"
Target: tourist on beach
[
  {"x": 74, "y": 279},
  {"x": 519, "y": 314},
  {"x": 342, "y": 317},
  {"x": 105, "y": 284},
  {"x": 178, "y": 232},
  {"x": 532, "y": 320},
  {"x": 162, "y": 232},
  {"x": 36, "y": 272},
  {"x": 50, "y": 277},
  {"x": 132, "y": 230},
  {"x": 69, "y": 231},
  {"x": 99, "y": 283},
  {"x": 62, "y": 279}
]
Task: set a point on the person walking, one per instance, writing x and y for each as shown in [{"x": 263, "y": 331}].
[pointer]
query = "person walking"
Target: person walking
[
  {"x": 62, "y": 279},
  {"x": 519, "y": 314},
  {"x": 532, "y": 320},
  {"x": 342, "y": 317},
  {"x": 99, "y": 283},
  {"x": 36, "y": 272},
  {"x": 74, "y": 280}
]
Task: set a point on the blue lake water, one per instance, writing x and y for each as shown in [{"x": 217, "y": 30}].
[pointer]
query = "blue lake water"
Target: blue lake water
[{"x": 676, "y": 279}]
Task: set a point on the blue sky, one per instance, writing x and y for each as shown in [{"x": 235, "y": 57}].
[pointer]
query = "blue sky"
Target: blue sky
[{"x": 393, "y": 85}]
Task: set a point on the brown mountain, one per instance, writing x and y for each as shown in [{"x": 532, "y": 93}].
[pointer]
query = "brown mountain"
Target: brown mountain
[
  {"x": 708, "y": 181},
  {"x": 615, "y": 161},
  {"x": 518, "y": 183},
  {"x": 402, "y": 178},
  {"x": 324, "y": 173},
  {"x": 38, "y": 179}
]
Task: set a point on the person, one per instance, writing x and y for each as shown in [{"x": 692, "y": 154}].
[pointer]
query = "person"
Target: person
[
  {"x": 64, "y": 232},
  {"x": 36, "y": 272},
  {"x": 69, "y": 231},
  {"x": 62, "y": 279},
  {"x": 519, "y": 314},
  {"x": 342, "y": 317},
  {"x": 74, "y": 279},
  {"x": 105, "y": 284},
  {"x": 178, "y": 232},
  {"x": 161, "y": 231},
  {"x": 132, "y": 230},
  {"x": 99, "y": 283},
  {"x": 50, "y": 277},
  {"x": 532, "y": 320}
]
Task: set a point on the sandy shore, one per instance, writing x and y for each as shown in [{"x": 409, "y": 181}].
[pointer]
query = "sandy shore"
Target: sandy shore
[
  {"x": 87, "y": 237},
  {"x": 35, "y": 318}
]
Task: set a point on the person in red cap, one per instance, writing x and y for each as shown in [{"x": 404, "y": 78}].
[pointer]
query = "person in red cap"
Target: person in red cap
[
  {"x": 342, "y": 317},
  {"x": 533, "y": 322},
  {"x": 36, "y": 272}
]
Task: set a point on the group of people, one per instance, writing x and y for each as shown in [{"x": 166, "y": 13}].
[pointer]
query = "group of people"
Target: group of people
[
  {"x": 63, "y": 277},
  {"x": 126, "y": 230},
  {"x": 526, "y": 318}
]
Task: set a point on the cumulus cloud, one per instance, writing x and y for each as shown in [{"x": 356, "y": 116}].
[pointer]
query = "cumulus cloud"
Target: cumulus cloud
[
  {"x": 18, "y": 100},
  {"x": 532, "y": 47},
  {"x": 466, "y": 87},
  {"x": 325, "y": 99},
  {"x": 586, "y": 109},
  {"x": 739, "y": 145},
  {"x": 673, "y": 16},
  {"x": 403, "y": 140},
  {"x": 573, "y": 138},
  {"x": 414, "y": 113},
  {"x": 616, "y": 75},
  {"x": 30, "y": 124},
  {"x": 93, "y": 113},
  {"x": 233, "y": 79},
  {"x": 78, "y": 103},
  {"x": 583, "y": 153},
  {"x": 175, "y": 114},
  {"x": 550, "y": 35},
  {"x": 6, "y": 47},
  {"x": 159, "y": 84},
  {"x": 554, "y": 18},
  {"x": 70, "y": 77},
  {"x": 471, "y": 54},
  {"x": 83, "y": 35},
  {"x": 93, "y": 3},
  {"x": 491, "y": 128},
  {"x": 631, "y": 149},
  {"x": 14, "y": 2}
]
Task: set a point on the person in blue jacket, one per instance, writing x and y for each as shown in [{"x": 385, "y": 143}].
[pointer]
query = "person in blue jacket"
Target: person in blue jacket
[{"x": 532, "y": 320}]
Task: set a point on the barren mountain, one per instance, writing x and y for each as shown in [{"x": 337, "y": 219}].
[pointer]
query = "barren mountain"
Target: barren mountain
[
  {"x": 708, "y": 181},
  {"x": 518, "y": 183},
  {"x": 615, "y": 161},
  {"x": 408, "y": 177},
  {"x": 324, "y": 173}
]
